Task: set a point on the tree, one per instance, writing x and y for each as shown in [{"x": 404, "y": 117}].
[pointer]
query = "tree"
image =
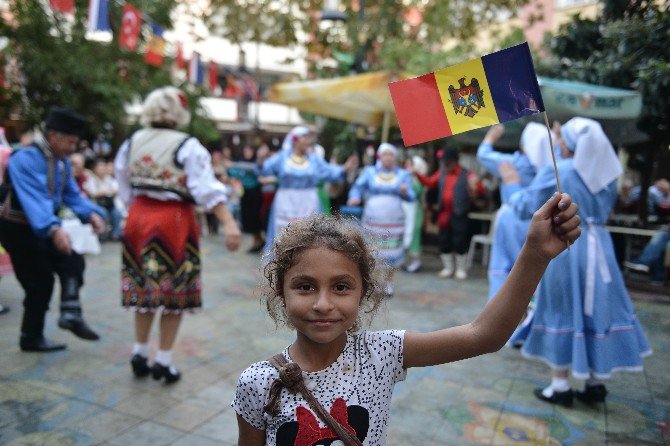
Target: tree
[
  {"x": 625, "y": 47},
  {"x": 60, "y": 66},
  {"x": 391, "y": 34}
]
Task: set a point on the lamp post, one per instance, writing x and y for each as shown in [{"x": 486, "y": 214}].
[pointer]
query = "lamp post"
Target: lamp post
[{"x": 332, "y": 12}]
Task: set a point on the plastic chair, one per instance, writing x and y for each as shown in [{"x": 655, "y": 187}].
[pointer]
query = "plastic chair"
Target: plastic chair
[{"x": 486, "y": 240}]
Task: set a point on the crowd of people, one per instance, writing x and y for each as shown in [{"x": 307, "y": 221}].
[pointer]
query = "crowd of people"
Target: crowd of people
[{"x": 150, "y": 196}]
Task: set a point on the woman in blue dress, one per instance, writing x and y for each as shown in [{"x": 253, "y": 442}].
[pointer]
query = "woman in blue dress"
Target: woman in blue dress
[
  {"x": 384, "y": 186},
  {"x": 509, "y": 232},
  {"x": 584, "y": 319},
  {"x": 298, "y": 173}
]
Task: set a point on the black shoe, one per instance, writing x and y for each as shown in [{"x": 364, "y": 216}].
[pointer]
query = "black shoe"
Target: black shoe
[
  {"x": 561, "y": 398},
  {"x": 592, "y": 394},
  {"x": 140, "y": 366},
  {"x": 159, "y": 371},
  {"x": 4, "y": 309},
  {"x": 39, "y": 344},
  {"x": 75, "y": 323}
]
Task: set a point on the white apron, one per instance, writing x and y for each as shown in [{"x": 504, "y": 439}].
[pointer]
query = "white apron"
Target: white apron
[
  {"x": 293, "y": 204},
  {"x": 384, "y": 221}
]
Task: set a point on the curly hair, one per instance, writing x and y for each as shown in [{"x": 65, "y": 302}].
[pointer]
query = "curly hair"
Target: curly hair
[
  {"x": 165, "y": 107},
  {"x": 338, "y": 234}
]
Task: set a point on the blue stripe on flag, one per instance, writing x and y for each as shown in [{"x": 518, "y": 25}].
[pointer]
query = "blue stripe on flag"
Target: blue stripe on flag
[
  {"x": 98, "y": 16},
  {"x": 511, "y": 77}
]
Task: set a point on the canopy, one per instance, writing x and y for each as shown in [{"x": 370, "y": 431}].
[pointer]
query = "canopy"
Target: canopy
[
  {"x": 365, "y": 98},
  {"x": 566, "y": 99}
]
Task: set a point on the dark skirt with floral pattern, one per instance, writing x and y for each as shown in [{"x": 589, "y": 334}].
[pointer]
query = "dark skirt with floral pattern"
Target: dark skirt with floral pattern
[{"x": 161, "y": 257}]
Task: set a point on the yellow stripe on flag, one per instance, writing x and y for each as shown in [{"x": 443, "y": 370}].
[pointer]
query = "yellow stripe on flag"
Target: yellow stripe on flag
[{"x": 472, "y": 114}]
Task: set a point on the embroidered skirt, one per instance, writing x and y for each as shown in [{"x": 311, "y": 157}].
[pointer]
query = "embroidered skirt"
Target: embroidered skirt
[
  {"x": 384, "y": 221},
  {"x": 161, "y": 257}
]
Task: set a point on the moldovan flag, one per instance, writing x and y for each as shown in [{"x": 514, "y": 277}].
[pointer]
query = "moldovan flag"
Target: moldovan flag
[
  {"x": 498, "y": 87},
  {"x": 155, "y": 46},
  {"x": 98, "y": 16},
  {"x": 131, "y": 23}
]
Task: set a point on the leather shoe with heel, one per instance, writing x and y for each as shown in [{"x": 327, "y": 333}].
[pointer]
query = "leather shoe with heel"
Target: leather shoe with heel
[
  {"x": 75, "y": 323},
  {"x": 39, "y": 344},
  {"x": 561, "y": 398},
  {"x": 159, "y": 371},
  {"x": 140, "y": 366},
  {"x": 592, "y": 394}
]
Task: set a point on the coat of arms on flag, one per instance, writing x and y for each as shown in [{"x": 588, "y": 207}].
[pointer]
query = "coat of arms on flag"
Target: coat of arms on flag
[{"x": 467, "y": 99}]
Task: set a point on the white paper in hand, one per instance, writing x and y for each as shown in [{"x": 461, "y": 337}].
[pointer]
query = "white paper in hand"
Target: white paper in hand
[{"x": 84, "y": 240}]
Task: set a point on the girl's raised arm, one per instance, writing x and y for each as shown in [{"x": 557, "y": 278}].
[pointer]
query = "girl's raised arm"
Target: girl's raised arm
[
  {"x": 554, "y": 223},
  {"x": 249, "y": 435}
]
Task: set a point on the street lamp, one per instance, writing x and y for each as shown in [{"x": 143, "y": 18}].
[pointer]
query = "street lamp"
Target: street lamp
[{"x": 332, "y": 12}]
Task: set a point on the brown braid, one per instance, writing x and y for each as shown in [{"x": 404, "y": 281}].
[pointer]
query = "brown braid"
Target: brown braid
[{"x": 290, "y": 376}]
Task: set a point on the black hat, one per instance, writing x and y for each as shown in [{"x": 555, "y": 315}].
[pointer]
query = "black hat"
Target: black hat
[
  {"x": 64, "y": 120},
  {"x": 449, "y": 154}
]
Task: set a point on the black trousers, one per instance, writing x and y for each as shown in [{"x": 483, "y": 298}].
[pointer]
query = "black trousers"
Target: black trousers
[
  {"x": 456, "y": 237},
  {"x": 35, "y": 262}
]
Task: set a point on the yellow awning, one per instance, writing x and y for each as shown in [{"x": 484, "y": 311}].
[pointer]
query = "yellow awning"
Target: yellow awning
[{"x": 362, "y": 98}]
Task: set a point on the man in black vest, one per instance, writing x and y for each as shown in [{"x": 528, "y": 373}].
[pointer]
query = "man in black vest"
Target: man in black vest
[
  {"x": 37, "y": 183},
  {"x": 453, "y": 205}
]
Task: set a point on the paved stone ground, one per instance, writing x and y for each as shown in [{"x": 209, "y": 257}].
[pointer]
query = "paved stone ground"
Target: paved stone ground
[{"x": 87, "y": 395}]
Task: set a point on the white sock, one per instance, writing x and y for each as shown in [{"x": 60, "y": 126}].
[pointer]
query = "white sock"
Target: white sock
[
  {"x": 557, "y": 385},
  {"x": 593, "y": 381},
  {"x": 141, "y": 349},
  {"x": 164, "y": 357}
]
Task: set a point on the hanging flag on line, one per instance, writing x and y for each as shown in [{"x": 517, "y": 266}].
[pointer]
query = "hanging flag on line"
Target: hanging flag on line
[
  {"x": 195, "y": 71},
  {"x": 213, "y": 75},
  {"x": 64, "y": 6},
  {"x": 98, "y": 16},
  {"x": 495, "y": 88},
  {"x": 179, "y": 57},
  {"x": 155, "y": 46},
  {"x": 131, "y": 23}
]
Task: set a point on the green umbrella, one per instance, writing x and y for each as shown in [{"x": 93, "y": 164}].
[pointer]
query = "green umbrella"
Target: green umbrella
[{"x": 616, "y": 109}]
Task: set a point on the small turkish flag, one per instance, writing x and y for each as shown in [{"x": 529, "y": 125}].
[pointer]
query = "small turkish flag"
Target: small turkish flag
[
  {"x": 180, "y": 57},
  {"x": 64, "y": 6},
  {"x": 130, "y": 27}
]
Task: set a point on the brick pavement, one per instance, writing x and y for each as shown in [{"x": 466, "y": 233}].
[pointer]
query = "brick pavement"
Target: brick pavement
[{"x": 87, "y": 395}]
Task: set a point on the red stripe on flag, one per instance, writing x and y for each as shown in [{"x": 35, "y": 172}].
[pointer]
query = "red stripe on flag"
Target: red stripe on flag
[{"x": 419, "y": 108}]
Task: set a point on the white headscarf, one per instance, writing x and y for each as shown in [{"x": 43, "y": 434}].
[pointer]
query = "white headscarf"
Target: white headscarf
[
  {"x": 535, "y": 144},
  {"x": 296, "y": 132},
  {"x": 319, "y": 151},
  {"x": 383, "y": 148},
  {"x": 420, "y": 165},
  {"x": 595, "y": 160}
]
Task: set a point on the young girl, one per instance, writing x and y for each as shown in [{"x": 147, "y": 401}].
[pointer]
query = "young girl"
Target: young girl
[{"x": 337, "y": 386}]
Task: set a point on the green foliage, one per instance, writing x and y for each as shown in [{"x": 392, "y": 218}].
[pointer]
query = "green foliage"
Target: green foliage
[
  {"x": 627, "y": 47},
  {"x": 382, "y": 33},
  {"x": 60, "y": 66}
]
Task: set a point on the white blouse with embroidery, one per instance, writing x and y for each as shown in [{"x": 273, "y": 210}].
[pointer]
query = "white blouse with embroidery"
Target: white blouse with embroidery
[{"x": 200, "y": 180}]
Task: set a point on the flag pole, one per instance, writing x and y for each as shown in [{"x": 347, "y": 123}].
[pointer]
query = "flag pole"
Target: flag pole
[{"x": 553, "y": 157}]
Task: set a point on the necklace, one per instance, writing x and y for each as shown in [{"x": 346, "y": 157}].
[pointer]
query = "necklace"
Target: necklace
[{"x": 385, "y": 177}]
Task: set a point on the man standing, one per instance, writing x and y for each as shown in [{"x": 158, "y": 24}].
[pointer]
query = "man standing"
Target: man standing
[
  {"x": 453, "y": 205},
  {"x": 37, "y": 183}
]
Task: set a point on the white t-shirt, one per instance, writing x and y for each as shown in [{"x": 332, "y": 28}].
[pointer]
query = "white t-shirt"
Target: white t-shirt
[{"x": 356, "y": 389}]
